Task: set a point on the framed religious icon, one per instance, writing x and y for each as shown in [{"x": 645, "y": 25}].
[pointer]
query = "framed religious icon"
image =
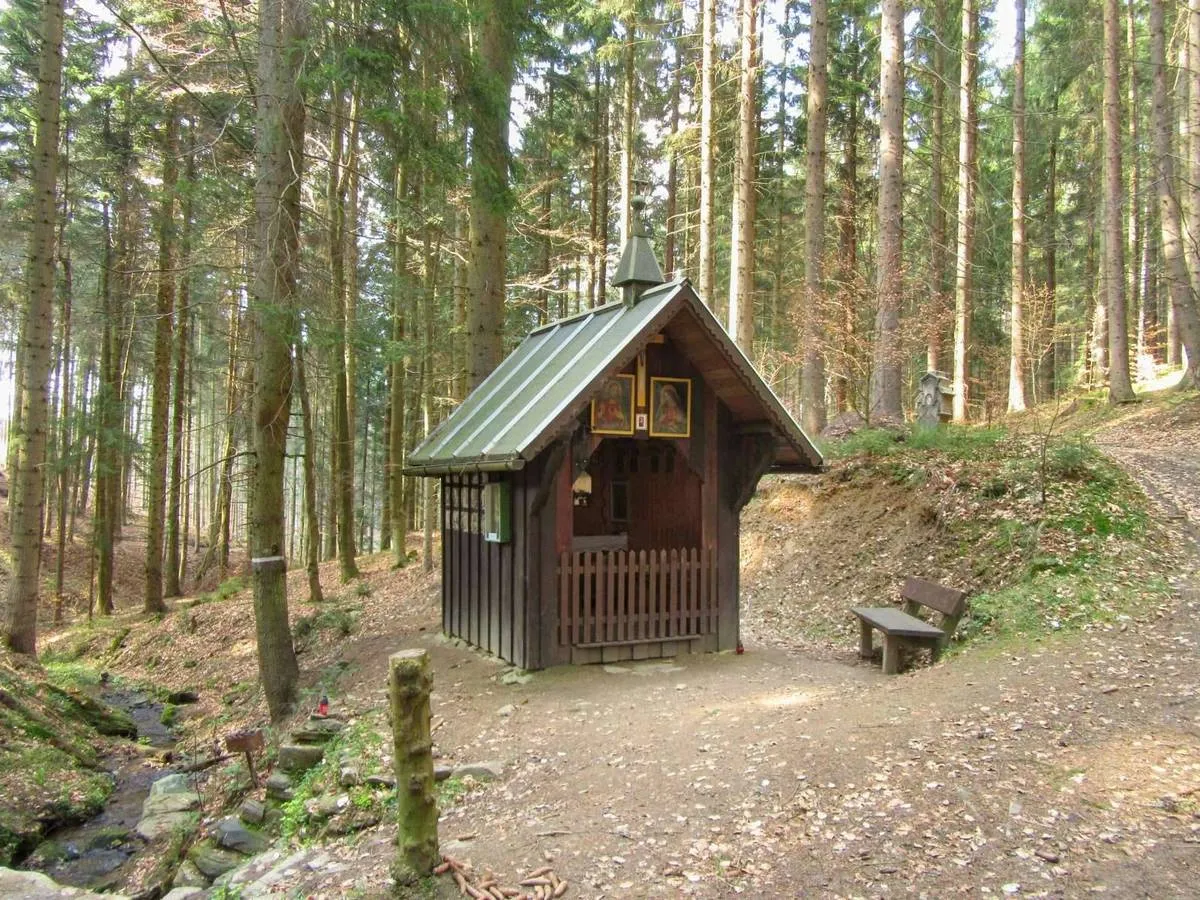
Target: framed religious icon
[
  {"x": 612, "y": 409},
  {"x": 670, "y": 407}
]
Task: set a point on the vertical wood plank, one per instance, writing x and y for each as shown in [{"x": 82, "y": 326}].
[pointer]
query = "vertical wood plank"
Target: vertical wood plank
[
  {"x": 652, "y": 604},
  {"x": 714, "y": 592},
  {"x": 623, "y": 594},
  {"x": 447, "y": 557},
  {"x": 668, "y": 611},
  {"x": 589, "y": 610},
  {"x": 640, "y": 590},
  {"x": 609, "y": 616},
  {"x": 564, "y": 621},
  {"x": 693, "y": 588}
]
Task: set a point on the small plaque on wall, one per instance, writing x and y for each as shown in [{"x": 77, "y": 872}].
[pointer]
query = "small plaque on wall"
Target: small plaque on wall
[{"x": 643, "y": 421}]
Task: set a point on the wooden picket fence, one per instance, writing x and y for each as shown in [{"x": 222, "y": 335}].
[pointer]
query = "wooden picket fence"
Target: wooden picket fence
[{"x": 633, "y": 596}]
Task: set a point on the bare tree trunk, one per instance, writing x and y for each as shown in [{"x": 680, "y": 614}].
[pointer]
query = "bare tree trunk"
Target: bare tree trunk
[
  {"x": 885, "y": 402},
  {"x": 37, "y": 334},
  {"x": 670, "y": 264},
  {"x": 107, "y": 411},
  {"x": 1016, "y": 356},
  {"x": 177, "y": 497},
  {"x": 490, "y": 194},
  {"x": 965, "y": 244},
  {"x": 1120, "y": 389},
  {"x": 279, "y": 150},
  {"x": 741, "y": 261},
  {"x": 428, "y": 307},
  {"x": 938, "y": 256},
  {"x": 343, "y": 479},
  {"x": 64, "y": 377},
  {"x": 396, "y": 446},
  {"x": 1178, "y": 282},
  {"x": 812, "y": 375},
  {"x": 595, "y": 241},
  {"x": 708, "y": 166},
  {"x": 1149, "y": 325},
  {"x": 1191, "y": 247},
  {"x": 312, "y": 515},
  {"x": 1134, "y": 236},
  {"x": 628, "y": 119},
  {"x": 164, "y": 322},
  {"x": 1047, "y": 369},
  {"x": 847, "y": 256}
]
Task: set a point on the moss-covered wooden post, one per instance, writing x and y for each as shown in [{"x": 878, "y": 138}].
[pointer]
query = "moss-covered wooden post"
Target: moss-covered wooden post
[{"x": 410, "y": 682}]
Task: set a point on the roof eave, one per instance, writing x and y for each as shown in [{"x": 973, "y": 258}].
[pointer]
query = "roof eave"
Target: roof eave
[{"x": 436, "y": 467}]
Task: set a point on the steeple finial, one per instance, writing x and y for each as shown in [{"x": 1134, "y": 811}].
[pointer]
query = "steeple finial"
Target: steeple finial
[{"x": 638, "y": 268}]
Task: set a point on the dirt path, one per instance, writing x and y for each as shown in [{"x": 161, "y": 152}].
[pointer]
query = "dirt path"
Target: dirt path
[{"x": 1060, "y": 770}]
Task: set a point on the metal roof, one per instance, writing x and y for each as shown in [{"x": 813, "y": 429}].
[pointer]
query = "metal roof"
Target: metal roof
[{"x": 537, "y": 392}]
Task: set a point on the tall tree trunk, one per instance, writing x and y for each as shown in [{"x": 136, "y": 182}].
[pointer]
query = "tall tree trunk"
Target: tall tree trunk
[
  {"x": 1134, "y": 236},
  {"x": 605, "y": 154},
  {"x": 847, "y": 256},
  {"x": 37, "y": 335},
  {"x": 177, "y": 497},
  {"x": 939, "y": 139},
  {"x": 492, "y": 75},
  {"x": 1016, "y": 356},
  {"x": 396, "y": 423},
  {"x": 64, "y": 377},
  {"x": 1178, "y": 283},
  {"x": 279, "y": 151},
  {"x": 1047, "y": 369},
  {"x": 707, "y": 263},
  {"x": 1120, "y": 389},
  {"x": 628, "y": 119},
  {"x": 965, "y": 243},
  {"x": 107, "y": 416},
  {"x": 885, "y": 402},
  {"x": 741, "y": 261},
  {"x": 312, "y": 514},
  {"x": 343, "y": 425},
  {"x": 670, "y": 264},
  {"x": 429, "y": 275},
  {"x": 812, "y": 376},
  {"x": 1149, "y": 325},
  {"x": 1180, "y": 141},
  {"x": 1191, "y": 248},
  {"x": 595, "y": 243},
  {"x": 164, "y": 322}
]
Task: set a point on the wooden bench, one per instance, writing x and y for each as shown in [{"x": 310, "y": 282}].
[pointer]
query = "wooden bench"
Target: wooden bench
[{"x": 901, "y": 629}]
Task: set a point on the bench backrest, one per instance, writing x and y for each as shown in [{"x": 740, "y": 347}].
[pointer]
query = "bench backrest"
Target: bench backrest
[{"x": 950, "y": 602}]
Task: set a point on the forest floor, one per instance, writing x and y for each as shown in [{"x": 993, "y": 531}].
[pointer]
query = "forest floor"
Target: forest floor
[{"x": 1056, "y": 754}]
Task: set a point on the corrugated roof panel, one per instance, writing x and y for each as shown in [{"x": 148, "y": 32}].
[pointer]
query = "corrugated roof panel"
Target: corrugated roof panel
[
  {"x": 541, "y": 379},
  {"x": 495, "y": 388},
  {"x": 590, "y": 363}
]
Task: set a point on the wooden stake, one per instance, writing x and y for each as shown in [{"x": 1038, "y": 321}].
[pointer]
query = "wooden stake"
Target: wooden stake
[{"x": 410, "y": 683}]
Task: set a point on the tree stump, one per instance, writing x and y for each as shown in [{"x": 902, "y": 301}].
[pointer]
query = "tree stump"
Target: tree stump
[{"x": 410, "y": 682}]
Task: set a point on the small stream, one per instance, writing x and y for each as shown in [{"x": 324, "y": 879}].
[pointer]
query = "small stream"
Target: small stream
[{"x": 93, "y": 855}]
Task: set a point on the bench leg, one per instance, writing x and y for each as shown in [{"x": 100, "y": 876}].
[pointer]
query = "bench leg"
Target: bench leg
[
  {"x": 865, "y": 648},
  {"x": 891, "y": 654},
  {"x": 935, "y": 651}
]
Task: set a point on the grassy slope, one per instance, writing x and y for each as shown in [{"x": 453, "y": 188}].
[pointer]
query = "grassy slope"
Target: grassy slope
[
  {"x": 51, "y": 738},
  {"x": 1045, "y": 543}
]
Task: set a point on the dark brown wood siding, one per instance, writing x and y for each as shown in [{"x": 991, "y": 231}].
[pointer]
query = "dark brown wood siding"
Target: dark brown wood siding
[{"x": 483, "y": 582}]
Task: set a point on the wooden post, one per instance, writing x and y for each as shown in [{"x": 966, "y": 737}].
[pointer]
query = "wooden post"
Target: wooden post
[
  {"x": 410, "y": 682},
  {"x": 865, "y": 648},
  {"x": 891, "y": 654}
]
